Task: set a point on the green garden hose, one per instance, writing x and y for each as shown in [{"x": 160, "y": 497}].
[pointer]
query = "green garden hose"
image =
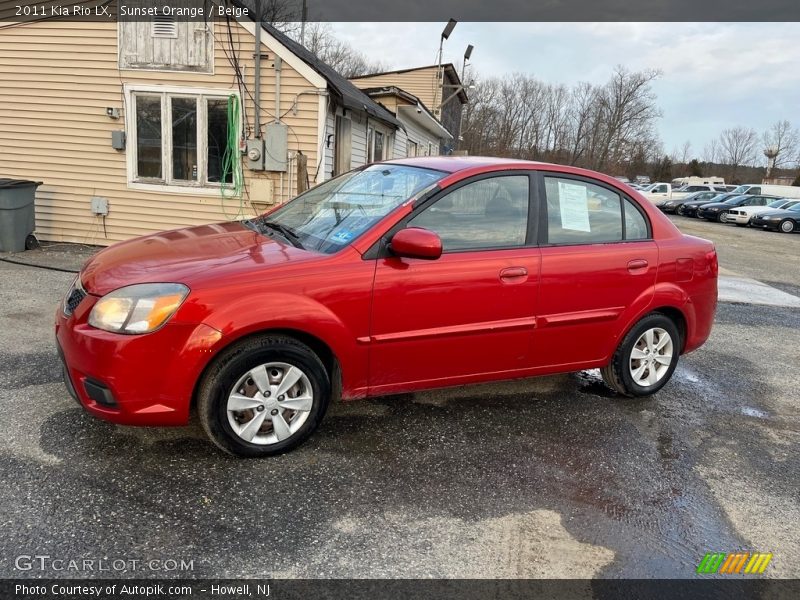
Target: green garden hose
[{"x": 231, "y": 159}]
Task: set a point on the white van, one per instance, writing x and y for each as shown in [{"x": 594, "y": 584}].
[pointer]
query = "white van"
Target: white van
[{"x": 780, "y": 191}]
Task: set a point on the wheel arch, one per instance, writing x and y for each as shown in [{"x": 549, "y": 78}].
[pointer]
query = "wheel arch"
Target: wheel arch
[
  {"x": 676, "y": 316},
  {"x": 319, "y": 346}
]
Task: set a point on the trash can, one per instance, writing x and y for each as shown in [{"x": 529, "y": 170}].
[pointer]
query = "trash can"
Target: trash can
[{"x": 17, "y": 217}]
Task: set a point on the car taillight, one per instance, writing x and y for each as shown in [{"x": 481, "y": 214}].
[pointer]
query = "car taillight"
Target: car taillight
[{"x": 713, "y": 264}]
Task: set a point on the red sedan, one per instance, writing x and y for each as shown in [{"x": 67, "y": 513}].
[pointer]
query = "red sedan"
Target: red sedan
[{"x": 404, "y": 275}]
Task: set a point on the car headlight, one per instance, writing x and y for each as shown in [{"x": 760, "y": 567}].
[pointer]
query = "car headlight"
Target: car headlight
[
  {"x": 140, "y": 308},
  {"x": 713, "y": 209}
]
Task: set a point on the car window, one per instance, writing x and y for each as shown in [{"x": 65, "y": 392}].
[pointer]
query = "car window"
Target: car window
[
  {"x": 754, "y": 190},
  {"x": 579, "y": 212},
  {"x": 332, "y": 215},
  {"x": 635, "y": 224},
  {"x": 489, "y": 213}
]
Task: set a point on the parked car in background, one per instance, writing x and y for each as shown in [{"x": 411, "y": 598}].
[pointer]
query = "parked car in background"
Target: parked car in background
[
  {"x": 662, "y": 192},
  {"x": 779, "y": 191},
  {"x": 718, "y": 211},
  {"x": 742, "y": 215},
  {"x": 689, "y": 209},
  {"x": 399, "y": 276},
  {"x": 785, "y": 221},
  {"x": 671, "y": 206}
]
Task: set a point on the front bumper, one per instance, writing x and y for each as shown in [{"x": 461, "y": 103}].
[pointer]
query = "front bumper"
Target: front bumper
[
  {"x": 738, "y": 219},
  {"x": 764, "y": 224},
  {"x": 133, "y": 379},
  {"x": 708, "y": 214}
]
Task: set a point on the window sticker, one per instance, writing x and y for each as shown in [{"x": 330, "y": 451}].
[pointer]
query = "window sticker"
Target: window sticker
[
  {"x": 574, "y": 206},
  {"x": 343, "y": 236}
]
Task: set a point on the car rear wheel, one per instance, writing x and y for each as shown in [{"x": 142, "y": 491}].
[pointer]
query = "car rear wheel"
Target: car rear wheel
[
  {"x": 263, "y": 397},
  {"x": 646, "y": 358},
  {"x": 787, "y": 226}
]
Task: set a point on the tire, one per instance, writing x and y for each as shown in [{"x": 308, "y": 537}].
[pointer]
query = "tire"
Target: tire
[
  {"x": 786, "y": 226},
  {"x": 254, "y": 370},
  {"x": 618, "y": 374},
  {"x": 31, "y": 243},
  {"x": 722, "y": 217}
]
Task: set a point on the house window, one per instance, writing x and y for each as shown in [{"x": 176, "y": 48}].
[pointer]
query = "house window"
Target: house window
[
  {"x": 180, "y": 139},
  {"x": 376, "y": 142},
  {"x": 411, "y": 148}
]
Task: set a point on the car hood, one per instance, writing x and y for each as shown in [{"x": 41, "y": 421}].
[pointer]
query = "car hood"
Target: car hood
[
  {"x": 717, "y": 205},
  {"x": 186, "y": 256}
]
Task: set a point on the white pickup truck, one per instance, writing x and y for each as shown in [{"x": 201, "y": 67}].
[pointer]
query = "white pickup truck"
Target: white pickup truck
[{"x": 661, "y": 192}]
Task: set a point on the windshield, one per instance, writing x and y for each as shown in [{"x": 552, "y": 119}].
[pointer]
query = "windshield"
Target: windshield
[
  {"x": 333, "y": 214},
  {"x": 742, "y": 189},
  {"x": 735, "y": 200},
  {"x": 776, "y": 203}
]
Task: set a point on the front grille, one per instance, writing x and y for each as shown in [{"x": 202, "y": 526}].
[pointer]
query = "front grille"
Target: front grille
[{"x": 74, "y": 297}]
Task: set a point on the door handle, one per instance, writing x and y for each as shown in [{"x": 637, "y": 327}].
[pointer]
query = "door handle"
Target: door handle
[
  {"x": 637, "y": 264},
  {"x": 514, "y": 274}
]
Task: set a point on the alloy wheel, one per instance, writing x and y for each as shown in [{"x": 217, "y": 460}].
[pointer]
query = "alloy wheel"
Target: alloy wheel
[
  {"x": 787, "y": 226},
  {"x": 270, "y": 403},
  {"x": 651, "y": 357}
]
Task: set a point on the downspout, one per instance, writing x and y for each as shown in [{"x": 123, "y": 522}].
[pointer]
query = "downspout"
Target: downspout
[
  {"x": 257, "y": 85},
  {"x": 278, "y": 65}
]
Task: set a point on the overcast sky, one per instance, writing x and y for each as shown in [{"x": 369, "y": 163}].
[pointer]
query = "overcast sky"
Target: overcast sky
[{"x": 715, "y": 75}]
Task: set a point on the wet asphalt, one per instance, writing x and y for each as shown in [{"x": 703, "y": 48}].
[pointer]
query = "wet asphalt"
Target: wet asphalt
[{"x": 548, "y": 477}]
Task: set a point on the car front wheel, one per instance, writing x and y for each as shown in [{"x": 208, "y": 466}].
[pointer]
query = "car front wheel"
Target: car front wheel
[
  {"x": 787, "y": 226},
  {"x": 646, "y": 358},
  {"x": 722, "y": 217},
  {"x": 263, "y": 396}
]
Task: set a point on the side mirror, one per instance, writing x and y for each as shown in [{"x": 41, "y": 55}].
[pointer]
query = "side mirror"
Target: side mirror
[{"x": 416, "y": 242}]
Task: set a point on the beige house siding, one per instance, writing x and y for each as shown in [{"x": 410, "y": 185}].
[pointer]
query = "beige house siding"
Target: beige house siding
[
  {"x": 419, "y": 82},
  {"x": 428, "y": 144},
  {"x": 56, "y": 80}
]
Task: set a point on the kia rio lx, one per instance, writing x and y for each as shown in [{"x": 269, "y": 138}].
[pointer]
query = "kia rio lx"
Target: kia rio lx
[{"x": 400, "y": 276}]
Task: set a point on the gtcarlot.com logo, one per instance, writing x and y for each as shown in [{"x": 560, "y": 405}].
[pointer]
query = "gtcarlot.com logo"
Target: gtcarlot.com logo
[
  {"x": 736, "y": 563},
  {"x": 45, "y": 562}
]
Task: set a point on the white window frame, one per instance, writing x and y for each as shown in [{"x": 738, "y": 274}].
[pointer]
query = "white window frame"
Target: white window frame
[
  {"x": 371, "y": 131},
  {"x": 166, "y": 184}
]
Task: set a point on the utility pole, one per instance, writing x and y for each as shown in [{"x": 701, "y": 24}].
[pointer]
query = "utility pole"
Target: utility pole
[{"x": 303, "y": 19}]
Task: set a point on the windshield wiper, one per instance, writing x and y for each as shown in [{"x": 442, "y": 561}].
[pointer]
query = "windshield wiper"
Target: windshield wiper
[{"x": 286, "y": 232}]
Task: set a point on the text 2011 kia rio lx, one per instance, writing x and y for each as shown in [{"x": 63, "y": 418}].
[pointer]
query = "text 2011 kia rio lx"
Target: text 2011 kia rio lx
[{"x": 401, "y": 276}]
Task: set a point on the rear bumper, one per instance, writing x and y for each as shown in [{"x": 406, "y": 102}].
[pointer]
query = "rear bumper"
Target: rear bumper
[{"x": 133, "y": 379}]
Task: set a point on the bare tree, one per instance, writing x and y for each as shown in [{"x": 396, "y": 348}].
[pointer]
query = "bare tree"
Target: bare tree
[
  {"x": 320, "y": 39},
  {"x": 711, "y": 151},
  {"x": 605, "y": 127},
  {"x": 784, "y": 139},
  {"x": 738, "y": 146}
]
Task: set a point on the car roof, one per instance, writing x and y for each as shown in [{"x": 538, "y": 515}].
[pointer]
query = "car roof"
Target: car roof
[{"x": 453, "y": 164}]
